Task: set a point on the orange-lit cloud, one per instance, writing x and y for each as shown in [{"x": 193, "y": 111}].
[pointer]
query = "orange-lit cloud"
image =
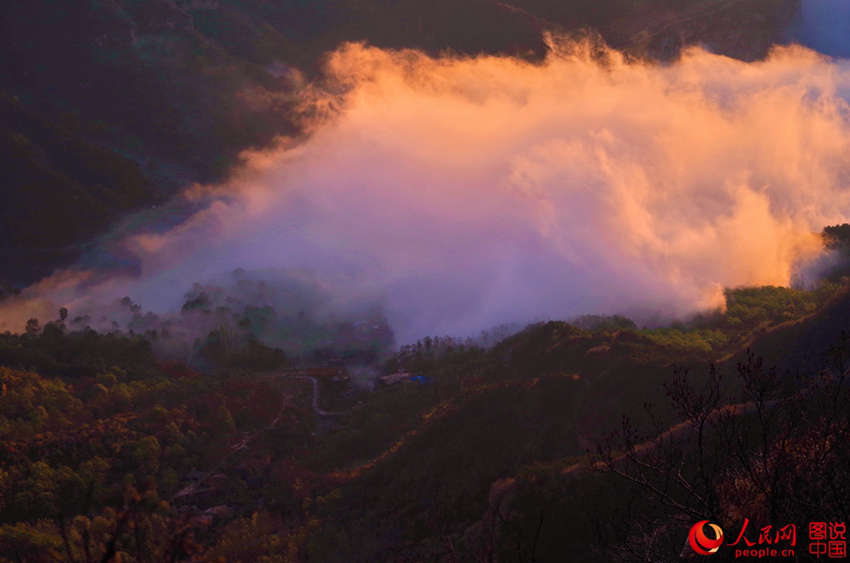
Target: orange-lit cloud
[{"x": 466, "y": 192}]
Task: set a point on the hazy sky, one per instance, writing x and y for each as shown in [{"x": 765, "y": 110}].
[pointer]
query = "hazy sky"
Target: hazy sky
[{"x": 824, "y": 25}]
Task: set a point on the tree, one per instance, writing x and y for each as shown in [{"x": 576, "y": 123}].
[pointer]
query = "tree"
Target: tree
[
  {"x": 778, "y": 456},
  {"x": 146, "y": 454},
  {"x": 30, "y": 542},
  {"x": 33, "y": 327}
]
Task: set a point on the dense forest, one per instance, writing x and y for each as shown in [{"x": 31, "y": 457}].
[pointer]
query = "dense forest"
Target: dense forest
[{"x": 511, "y": 450}]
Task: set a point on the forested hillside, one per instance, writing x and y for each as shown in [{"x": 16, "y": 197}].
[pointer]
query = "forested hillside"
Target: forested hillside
[
  {"x": 106, "y": 450},
  {"x": 231, "y": 385}
]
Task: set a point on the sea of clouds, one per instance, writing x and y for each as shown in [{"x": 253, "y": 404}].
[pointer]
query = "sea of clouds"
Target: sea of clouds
[{"x": 466, "y": 192}]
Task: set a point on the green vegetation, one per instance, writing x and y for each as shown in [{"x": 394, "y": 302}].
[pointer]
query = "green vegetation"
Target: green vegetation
[
  {"x": 749, "y": 310},
  {"x": 96, "y": 447},
  {"x": 836, "y": 239},
  {"x": 287, "y": 314},
  {"x": 508, "y": 424},
  {"x": 177, "y": 440},
  {"x": 105, "y": 450}
]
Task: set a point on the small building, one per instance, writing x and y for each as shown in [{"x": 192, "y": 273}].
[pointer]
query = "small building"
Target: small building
[
  {"x": 403, "y": 377},
  {"x": 394, "y": 378}
]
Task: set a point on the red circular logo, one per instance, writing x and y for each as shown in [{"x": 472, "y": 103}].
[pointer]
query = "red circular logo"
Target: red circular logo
[{"x": 700, "y": 542}]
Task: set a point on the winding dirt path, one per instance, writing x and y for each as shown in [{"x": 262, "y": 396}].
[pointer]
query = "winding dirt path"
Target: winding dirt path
[{"x": 316, "y": 408}]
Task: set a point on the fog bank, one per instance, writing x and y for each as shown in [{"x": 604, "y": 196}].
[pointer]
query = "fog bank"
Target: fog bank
[{"x": 462, "y": 193}]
